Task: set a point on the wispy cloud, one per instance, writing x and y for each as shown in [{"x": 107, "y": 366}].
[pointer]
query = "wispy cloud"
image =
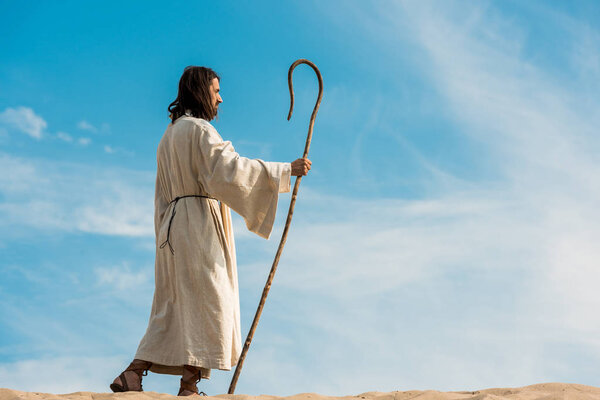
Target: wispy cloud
[
  {"x": 375, "y": 273},
  {"x": 477, "y": 283},
  {"x": 50, "y": 195},
  {"x": 24, "y": 120},
  {"x": 86, "y": 126},
  {"x": 117, "y": 150},
  {"x": 60, "y": 374},
  {"x": 81, "y": 141},
  {"x": 65, "y": 137},
  {"x": 544, "y": 135},
  {"x": 122, "y": 277}
]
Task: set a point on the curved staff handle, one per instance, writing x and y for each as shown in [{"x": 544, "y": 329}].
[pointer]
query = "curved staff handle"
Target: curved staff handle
[
  {"x": 263, "y": 299},
  {"x": 314, "y": 113}
]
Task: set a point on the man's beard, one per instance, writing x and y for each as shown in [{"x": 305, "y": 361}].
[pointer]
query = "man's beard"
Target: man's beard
[{"x": 214, "y": 112}]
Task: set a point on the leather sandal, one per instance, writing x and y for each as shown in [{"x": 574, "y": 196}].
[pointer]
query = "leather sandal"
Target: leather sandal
[
  {"x": 190, "y": 385},
  {"x": 120, "y": 384}
]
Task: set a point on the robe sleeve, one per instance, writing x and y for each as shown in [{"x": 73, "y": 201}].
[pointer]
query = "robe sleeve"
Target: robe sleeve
[{"x": 249, "y": 187}]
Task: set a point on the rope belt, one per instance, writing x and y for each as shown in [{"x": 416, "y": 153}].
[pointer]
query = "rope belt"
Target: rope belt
[{"x": 173, "y": 215}]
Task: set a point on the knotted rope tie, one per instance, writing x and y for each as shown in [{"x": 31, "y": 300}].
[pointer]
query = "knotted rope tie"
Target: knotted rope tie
[{"x": 167, "y": 242}]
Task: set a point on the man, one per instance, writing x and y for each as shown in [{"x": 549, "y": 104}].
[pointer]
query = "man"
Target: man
[{"x": 194, "y": 323}]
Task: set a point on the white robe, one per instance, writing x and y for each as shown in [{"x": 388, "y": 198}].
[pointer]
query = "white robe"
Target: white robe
[{"x": 195, "y": 316}]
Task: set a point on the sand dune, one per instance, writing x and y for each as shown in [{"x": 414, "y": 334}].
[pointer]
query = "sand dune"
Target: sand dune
[{"x": 543, "y": 391}]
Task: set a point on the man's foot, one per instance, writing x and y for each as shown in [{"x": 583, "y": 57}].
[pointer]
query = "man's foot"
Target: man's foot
[
  {"x": 131, "y": 378},
  {"x": 189, "y": 380}
]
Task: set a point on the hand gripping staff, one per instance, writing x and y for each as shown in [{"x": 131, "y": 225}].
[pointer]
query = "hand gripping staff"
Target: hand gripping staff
[{"x": 261, "y": 305}]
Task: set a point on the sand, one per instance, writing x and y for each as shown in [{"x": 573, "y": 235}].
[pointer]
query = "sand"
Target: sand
[{"x": 543, "y": 391}]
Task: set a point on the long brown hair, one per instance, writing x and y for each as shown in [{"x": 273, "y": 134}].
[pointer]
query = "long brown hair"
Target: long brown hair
[{"x": 194, "y": 94}]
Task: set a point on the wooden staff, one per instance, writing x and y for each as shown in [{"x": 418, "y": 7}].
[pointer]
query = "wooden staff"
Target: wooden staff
[{"x": 263, "y": 299}]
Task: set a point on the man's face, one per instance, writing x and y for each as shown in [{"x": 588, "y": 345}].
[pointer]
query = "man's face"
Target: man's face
[{"x": 215, "y": 95}]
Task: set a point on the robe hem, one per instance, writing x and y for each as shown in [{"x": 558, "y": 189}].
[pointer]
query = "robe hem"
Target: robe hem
[{"x": 171, "y": 367}]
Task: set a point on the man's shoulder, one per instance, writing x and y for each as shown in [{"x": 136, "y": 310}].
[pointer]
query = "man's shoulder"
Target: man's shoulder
[
  {"x": 195, "y": 127},
  {"x": 187, "y": 121}
]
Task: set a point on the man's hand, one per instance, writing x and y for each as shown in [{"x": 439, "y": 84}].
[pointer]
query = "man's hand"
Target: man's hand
[{"x": 301, "y": 166}]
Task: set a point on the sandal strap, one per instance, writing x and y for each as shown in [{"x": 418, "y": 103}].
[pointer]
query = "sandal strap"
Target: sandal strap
[
  {"x": 191, "y": 384},
  {"x": 188, "y": 386},
  {"x": 124, "y": 382}
]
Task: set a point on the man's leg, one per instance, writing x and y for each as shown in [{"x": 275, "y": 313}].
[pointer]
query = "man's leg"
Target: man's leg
[
  {"x": 131, "y": 378},
  {"x": 189, "y": 380}
]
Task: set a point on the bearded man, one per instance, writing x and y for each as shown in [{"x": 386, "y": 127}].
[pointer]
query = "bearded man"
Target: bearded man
[{"x": 194, "y": 323}]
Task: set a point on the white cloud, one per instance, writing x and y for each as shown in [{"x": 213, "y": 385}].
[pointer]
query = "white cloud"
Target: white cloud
[
  {"x": 84, "y": 141},
  {"x": 86, "y": 126},
  {"x": 356, "y": 274},
  {"x": 71, "y": 374},
  {"x": 25, "y": 120},
  {"x": 478, "y": 283},
  {"x": 122, "y": 277},
  {"x": 65, "y": 137},
  {"x": 61, "y": 374},
  {"x": 127, "y": 214},
  {"x": 392, "y": 243},
  {"x": 546, "y": 138},
  {"x": 117, "y": 150},
  {"x": 74, "y": 197}
]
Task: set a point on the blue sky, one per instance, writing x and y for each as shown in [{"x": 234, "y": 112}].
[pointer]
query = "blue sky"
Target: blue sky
[{"x": 446, "y": 237}]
